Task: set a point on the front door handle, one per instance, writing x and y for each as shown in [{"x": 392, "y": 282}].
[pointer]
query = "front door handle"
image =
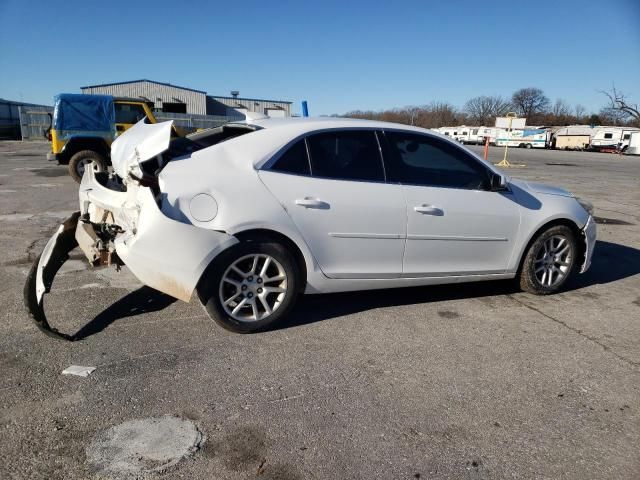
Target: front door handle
[
  {"x": 429, "y": 210},
  {"x": 310, "y": 202}
]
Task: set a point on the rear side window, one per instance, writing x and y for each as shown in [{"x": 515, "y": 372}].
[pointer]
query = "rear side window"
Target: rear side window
[
  {"x": 422, "y": 160},
  {"x": 608, "y": 135},
  {"x": 294, "y": 160},
  {"x": 346, "y": 155}
]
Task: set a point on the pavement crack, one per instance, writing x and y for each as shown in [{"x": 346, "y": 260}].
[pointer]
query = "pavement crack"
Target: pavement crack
[{"x": 606, "y": 348}]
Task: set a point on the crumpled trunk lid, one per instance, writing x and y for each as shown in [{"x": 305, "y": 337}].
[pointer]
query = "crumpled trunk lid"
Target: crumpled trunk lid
[{"x": 142, "y": 142}]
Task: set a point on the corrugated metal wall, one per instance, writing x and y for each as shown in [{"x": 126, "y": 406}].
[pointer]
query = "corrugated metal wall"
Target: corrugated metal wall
[
  {"x": 34, "y": 121},
  {"x": 222, "y": 105},
  {"x": 12, "y": 121},
  {"x": 196, "y": 121},
  {"x": 9, "y": 120},
  {"x": 157, "y": 93}
]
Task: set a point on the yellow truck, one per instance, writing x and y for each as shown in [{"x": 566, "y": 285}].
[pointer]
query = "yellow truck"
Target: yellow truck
[{"x": 84, "y": 126}]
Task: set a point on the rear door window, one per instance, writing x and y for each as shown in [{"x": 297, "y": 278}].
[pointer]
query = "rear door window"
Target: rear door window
[
  {"x": 346, "y": 155},
  {"x": 294, "y": 160}
]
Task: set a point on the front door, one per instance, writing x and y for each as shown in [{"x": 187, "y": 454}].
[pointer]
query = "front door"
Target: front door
[
  {"x": 455, "y": 225},
  {"x": 353, "y": 223}
]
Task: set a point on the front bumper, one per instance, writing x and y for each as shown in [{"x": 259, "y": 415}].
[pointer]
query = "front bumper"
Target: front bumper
[{"x": 589, "y": 232}]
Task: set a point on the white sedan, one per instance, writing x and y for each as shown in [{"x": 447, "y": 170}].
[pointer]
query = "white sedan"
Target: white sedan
[{"x": 250, "y": 215}]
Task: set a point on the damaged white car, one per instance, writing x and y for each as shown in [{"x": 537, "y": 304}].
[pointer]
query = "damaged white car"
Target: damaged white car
[{"x": 250, "y": 215}]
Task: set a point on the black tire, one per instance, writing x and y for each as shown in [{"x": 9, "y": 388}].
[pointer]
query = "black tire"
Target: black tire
[
  {"x": 528, "y": 280},
  {"x": 83, "y": 156},
  {"x": 522, "y": 145},
  {"x": 528, "y": 146},
  {"x": 209, "y": 287}
]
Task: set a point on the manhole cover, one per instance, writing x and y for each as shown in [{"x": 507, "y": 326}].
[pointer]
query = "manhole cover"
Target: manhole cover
[{"x": 145, "y": 445}]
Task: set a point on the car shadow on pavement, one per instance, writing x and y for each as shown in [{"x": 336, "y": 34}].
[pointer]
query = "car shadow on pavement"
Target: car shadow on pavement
[
  {"x": 143, "y": 300},
  {"x": 611, "y": 262}
]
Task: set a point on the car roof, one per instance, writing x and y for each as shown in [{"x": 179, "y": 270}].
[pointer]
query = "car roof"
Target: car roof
[
  {"x": 274, "y": 134},
  {"x": 309, "y": 124}
]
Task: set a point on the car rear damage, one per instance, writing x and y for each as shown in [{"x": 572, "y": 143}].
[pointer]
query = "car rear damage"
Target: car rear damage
[{"x": 120, "y": 223}]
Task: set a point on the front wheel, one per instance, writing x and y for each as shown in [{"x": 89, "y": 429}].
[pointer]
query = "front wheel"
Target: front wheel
[
  {"x": 84, "y": 159},
  {"x": 549, "y": 262},
  {"x": 251, "y": 286}
]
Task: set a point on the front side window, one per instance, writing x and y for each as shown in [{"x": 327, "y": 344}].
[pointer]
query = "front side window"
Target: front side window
[
  {"x": 129, "y": 113},
  {"x": 346, "y": 155},
  {"x": 608, "y": 135},
  {"x": 294, "y": 160},
  {"x": 422, "y": 160}
]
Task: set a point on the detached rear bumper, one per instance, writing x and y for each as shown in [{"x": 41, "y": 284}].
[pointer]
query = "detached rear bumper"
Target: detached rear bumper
[
  {"x": 589, "y": 232},
  {"x": 125, "y": 227}
]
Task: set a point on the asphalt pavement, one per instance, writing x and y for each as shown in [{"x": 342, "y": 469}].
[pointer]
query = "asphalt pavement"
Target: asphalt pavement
[{"x": 473, "y": 381}]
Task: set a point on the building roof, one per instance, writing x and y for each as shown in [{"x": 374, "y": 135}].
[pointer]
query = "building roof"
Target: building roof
[
  {"x": 20, "y": 103},
  {"x": 248, "y": 99},
  {"x": 143, "y": 80},
  {"x": 186, "y": 88}
]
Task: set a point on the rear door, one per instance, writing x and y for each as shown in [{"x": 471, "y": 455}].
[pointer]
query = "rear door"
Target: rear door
[{"x": 332, "y": 184}]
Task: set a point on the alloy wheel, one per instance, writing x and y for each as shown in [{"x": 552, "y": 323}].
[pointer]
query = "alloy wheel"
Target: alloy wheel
[
  {"x": 553, "y": 261},
  {"x": 253, "y": 287}
]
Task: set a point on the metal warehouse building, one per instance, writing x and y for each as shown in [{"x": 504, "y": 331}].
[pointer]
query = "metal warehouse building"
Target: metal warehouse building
[{"x": 172, "y": 98}]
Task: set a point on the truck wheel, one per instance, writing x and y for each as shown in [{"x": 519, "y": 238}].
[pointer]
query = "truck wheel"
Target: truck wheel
[
  {"x": 84, "y": 159},
  {"x": 528, "y": 145}
]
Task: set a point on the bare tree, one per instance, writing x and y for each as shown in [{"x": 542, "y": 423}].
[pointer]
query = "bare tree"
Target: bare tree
[
  {"x": 560, "y": 113},
  {"x": 561, "y": 108},
  {"x": 484, "y": 109},
  {"x": 618, "y": 101},
  {"x": 530, "y": 102},
  {"x": 613, "y": 116},
  {"x": 579, "y": 112}
]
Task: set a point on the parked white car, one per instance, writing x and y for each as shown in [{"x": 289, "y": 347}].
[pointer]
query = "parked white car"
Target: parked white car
[{"x": 250, "y": 215}]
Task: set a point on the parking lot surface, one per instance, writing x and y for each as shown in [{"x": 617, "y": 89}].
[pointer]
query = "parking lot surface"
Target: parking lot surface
[{"x": 474, "y": 381}]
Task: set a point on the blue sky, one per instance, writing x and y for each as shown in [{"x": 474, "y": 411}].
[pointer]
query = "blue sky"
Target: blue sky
[{"x": 339, "y": 56}]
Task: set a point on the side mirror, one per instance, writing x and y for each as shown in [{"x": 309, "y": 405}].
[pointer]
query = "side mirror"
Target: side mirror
[{"x": 498, "y": 182}]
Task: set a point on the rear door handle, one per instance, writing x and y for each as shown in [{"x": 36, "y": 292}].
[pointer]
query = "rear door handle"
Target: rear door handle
[
  {"x": 309, "y": 202},
  {"x": 429, "y": 210}
]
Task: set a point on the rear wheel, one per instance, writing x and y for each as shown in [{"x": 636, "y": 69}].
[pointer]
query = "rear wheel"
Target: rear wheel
[
  {"x": 251, "y": 286},
  {"x": 549, "y": 262},
  {"x": 528, "y": 145},
  {"x": 84, "y": 159}
]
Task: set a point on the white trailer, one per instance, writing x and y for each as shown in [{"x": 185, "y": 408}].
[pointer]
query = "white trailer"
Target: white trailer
[
  {"x": 634, "y": 144},
  {"x": 491, "y": 132},
  {"x": 611, "y": 138},
  {"x": 454, "y": 132},
  {"x": 527, "y": 138}
]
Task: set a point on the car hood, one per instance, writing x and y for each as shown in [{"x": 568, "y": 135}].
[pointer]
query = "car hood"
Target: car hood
[
  {"x": 541, "y": 188},
  {"x": 140, "y": 143}
]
